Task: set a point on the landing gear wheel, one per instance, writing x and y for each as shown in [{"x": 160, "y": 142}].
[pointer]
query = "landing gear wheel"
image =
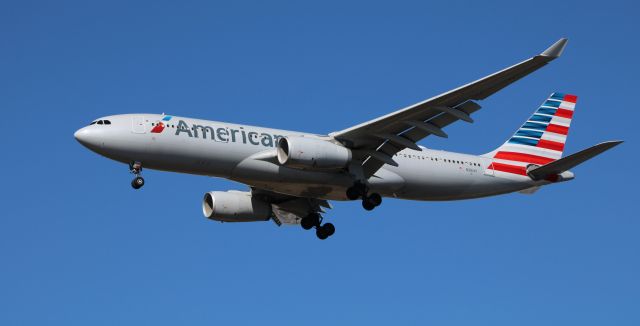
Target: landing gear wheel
[
  {"x": 321, "y": 233},
  {"x": 367, "y": 204},
  {"x": 328, "y": 229},
  {"x": 306, "y": 223},
  {"x": 311, "y": 220},
  {"x": 324, "y": 231},
  {"x": 353, "y": 193},
  {"x": 137, "y": 182},
  {"x": 376, "y": 199}
]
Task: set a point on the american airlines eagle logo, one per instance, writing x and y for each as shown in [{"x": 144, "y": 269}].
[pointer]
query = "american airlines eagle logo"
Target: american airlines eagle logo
[{"x": 159, "y": 127}]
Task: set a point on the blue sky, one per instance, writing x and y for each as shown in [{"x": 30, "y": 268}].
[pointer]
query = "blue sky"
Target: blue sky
[{"x": 78, "y": 246}]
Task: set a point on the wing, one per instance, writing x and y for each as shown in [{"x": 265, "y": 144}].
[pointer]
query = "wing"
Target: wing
[
  {"x": 290, "y": 209},
  {"x": 375, "y": 142}
]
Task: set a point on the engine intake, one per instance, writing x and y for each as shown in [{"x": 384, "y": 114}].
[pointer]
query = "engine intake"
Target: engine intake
[
  {"x": 312, "y": 153},
  {"x": 235, "y": 206}
]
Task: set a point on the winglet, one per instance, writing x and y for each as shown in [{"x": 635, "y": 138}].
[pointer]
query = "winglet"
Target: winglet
[{"x": 556, "y": 49}]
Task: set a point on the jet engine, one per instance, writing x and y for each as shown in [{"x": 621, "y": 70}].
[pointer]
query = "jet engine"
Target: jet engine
[
  {"x": 235, "y": 206},
  {"x": 312, "y": 153}
]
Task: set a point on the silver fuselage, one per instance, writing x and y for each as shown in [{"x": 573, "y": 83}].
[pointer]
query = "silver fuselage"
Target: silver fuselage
[{"x": 241, "y": 152}]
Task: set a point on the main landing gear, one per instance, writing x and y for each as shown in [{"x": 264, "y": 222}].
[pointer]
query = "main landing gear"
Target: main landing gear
[
  {"x": 136, "y": 169},
  {"x": 323, "y": 231},
  {"x": 369, "y": 201}
]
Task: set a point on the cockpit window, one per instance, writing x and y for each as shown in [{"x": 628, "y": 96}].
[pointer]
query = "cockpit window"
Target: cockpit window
[{"x": 100, "y": 122}]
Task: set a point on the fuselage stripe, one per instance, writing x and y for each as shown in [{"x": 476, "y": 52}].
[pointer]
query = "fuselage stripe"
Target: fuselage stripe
[{"x": 521, "y": 170}]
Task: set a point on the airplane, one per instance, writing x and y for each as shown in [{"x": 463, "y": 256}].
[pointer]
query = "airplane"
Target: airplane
[{"x": 293, "y": 175}]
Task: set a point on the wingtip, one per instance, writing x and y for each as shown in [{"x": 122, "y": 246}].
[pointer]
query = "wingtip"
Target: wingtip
[
  {"x": 556, "y": 49},
  {"x": 615, "y": 142},
  {"x": 611, "y": 143}
]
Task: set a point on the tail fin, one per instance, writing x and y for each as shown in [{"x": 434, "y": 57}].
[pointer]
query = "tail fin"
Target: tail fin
[{"x": 540, "y": 140}]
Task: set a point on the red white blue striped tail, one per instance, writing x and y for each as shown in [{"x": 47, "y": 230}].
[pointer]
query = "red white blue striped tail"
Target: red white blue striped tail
[{"x": 540, "y": 140}]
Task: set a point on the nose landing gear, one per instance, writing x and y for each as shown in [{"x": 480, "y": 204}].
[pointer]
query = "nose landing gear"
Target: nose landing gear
[
  {"x": 323, "y": 231},
  {"x": 136, "y": 169},
  {"x": 360, "y": 190},
  {"x": 137, "y": 182}
]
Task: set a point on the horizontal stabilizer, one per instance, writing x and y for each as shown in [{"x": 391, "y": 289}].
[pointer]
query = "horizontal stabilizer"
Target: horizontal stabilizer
[{"x": 566, "y": 163}]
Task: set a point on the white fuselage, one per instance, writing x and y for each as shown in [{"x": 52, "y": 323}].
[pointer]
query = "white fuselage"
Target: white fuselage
[{"x": 245, "y": 154}]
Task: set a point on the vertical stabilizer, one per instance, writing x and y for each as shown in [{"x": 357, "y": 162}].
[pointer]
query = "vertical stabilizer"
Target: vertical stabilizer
[{"x": 540, "y": 140}]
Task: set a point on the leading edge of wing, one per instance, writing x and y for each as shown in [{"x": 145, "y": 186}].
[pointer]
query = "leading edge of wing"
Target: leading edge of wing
[{"x": 476, "y": 90}]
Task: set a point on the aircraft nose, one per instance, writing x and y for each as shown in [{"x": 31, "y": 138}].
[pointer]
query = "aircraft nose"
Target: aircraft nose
[
  {"x": 88, "y": 138},
  {"x": 78, "y": 134}
]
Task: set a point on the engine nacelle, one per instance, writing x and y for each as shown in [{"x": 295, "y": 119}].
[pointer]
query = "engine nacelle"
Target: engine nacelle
[
  {"x": 234, "y": 206},
  {"x": 312, "y": 153}
]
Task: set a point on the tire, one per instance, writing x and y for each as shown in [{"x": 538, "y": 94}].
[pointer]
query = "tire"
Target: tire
[
  {"x": 368, "y": 205},
  {"x": 310, "y": 221},
  {"x": 328, "y": 229},
  {"x": 353, "y": 193},
  {"x": 307, "y": 223},
  {"x": 321, "y": 234},
  {"x": 375, "y": 198},
  {"x": 137, "y": 182}
]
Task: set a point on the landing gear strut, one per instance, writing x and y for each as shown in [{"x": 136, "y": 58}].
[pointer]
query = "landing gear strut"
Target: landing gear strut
[
  {"x": 323, "y": 231},
  {"x": 136, "y": 169},
  {"x": 360, "y": 190}
]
